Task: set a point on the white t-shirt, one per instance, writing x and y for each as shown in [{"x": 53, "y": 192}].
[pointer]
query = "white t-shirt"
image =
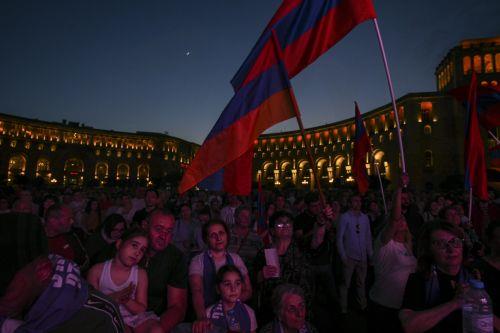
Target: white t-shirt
[
  {"x": 196, "y": 265},
  {"x": 251, "y": 314},
  {"x": 393, "y": 264}
]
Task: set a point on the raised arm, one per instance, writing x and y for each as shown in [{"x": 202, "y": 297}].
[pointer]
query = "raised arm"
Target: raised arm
[
  {"x": 390, "y": 228},
  {"x": 421, "y": 321}
]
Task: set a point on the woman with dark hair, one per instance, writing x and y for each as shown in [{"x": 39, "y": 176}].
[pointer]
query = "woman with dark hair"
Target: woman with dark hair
[
  {"x": 101, "y": 245},
  {"x": 203, "y": 269},
  {"x": 48, "y": 201},
  {"x": 92, "y": 216},
  {"x": 433, "y": 295},
  {"x": 489, "y": 268}
]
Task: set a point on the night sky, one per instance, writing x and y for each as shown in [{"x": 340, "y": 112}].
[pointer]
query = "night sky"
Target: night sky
[{"x": 165, "y": 65}]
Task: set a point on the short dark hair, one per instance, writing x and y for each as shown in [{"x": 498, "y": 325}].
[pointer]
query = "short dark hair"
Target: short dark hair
[
  {"x": 425, "y": 259},
  {"x": 279, "y": 214},
  {"x": 206, "y": 226},
  {"x": 133, "y": 232},
  {"x": 155, "y": 191}
]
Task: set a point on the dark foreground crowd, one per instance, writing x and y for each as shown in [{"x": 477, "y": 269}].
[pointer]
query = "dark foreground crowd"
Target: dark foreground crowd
[{"x": 146, "y": 260}]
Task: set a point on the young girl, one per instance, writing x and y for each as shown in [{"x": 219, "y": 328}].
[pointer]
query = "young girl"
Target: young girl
[
  {"x": 230, "y": 314},
  {"x": 127, "y": 284}
]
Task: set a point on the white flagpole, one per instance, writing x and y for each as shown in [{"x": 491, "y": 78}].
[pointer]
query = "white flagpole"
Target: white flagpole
[
  {"x": 381, "y": 187},
  {"x": 391, "y": 90},
  {"x": 494, "y": 137},
  {"x": 470, "y": 204}
]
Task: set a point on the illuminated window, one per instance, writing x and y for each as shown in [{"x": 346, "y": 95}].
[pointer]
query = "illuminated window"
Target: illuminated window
[
  {"x": 97, "y": 152},
  {"x": 488, "y": 63},
  {"x": 17, "y": 167},
  {"x": 53, "y": 148},
  {"x": 427, "y": 130},
  {"x": 477, "y": 64},
  {"x": 381, "y": 139},
  {"x": 43, "y": 169},
  {"x": 497, "y": 62},
  {"x": 40, "y": 146},
  {"x": 143, "y": 172},
  {"x": 122, "y": 171},
  {"x": 428, "y": 159},
  {"x": 13, "y": 143},
  {"x": 466, "y": 65},
  {"x": 101, "y": 171}
]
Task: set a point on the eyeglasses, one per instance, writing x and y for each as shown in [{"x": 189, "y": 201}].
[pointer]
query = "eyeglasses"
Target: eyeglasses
[
  {"x": 442, "y": 244},
  {"x": 283, "y": 225}
]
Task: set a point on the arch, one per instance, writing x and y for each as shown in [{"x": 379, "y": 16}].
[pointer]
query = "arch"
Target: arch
[
  {"x": 43, "y": 169},
  {"x": 339, "y": 163},
  {"x": 122, "y": 171},
  {"x": 379, "y": 160},
  {"x": 322, "y": 165},
  {"x": 143, "y": 172},
  {"x": 488, "y": 63},
  {"x": 286, "y": 172},
  {"x": 427, "y": 130},
  {"x": 477, "y": 63},
  {"x": 101, "y": 172},
  {"x": 73, "y": 172},
  {"x": 466, "y": 65},
  {"x": 17, "y": 167},
  {"x": 304, "y": 175},
  {"x": 428, "y": 159},
  {"x": 267, "y": 172}
]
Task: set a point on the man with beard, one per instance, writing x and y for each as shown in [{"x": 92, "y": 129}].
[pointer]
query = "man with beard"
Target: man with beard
[{"x": 167, "y": 272}]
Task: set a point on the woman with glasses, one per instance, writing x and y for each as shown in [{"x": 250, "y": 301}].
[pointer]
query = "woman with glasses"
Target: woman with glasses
[
  {"x": 433, "y": 296},
  {"x": 293, "y": 265},
  {"x": 203, "y": 270}
]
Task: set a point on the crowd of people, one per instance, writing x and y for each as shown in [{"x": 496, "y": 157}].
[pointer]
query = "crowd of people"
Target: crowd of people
[{"x": 148, "y": 260}]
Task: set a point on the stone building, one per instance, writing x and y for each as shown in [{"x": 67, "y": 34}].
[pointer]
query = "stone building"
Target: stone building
[
  {"x": 432, "y": 125},
  {"x": 72, "y": 154}
]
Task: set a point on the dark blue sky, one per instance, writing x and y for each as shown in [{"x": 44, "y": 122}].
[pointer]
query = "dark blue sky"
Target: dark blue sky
[{"x": 122, "y": 65}]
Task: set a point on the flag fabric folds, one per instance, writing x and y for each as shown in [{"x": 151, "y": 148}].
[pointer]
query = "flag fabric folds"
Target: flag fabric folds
[
  {"x": 475, "y": 164},
  {"x": 224, "y": 161},
  {"x": 488, "y": 104},
  {"x": 361, "y": 147},
  {"x": 305, "y": 29}
]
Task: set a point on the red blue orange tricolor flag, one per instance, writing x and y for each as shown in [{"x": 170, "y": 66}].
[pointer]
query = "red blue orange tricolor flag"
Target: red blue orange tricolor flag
[
  {"x": 475, "y": 163},
  {"x": 361, "y": 147},
  {"x": 488, "y": 104},
  {"x": 305, "y": 29},
  {"x": 225, "y": 157}
]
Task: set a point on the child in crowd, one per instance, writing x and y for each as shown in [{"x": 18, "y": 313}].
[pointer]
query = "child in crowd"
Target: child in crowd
[
  {"x": 230, "y": 314},
  {"x": 126, "y": 283}
]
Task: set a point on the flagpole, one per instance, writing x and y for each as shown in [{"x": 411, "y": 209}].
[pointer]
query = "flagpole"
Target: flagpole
[
  {"x": 494, "y": 137},
  {"x": 295, "y": 106},
  {"x": 470, "y": 204},
  {"x": 381, "y": 187},
  {"x": 391, "y": 90},
  {"x": 308, "y": 148}
]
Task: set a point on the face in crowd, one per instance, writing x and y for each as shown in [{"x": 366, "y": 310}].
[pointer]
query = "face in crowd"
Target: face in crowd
[
  {"x": 185, "y": 213},
  {"x": 131, "y": 251},
  {"x": 60, "y": 223},
  {"x": 217, "y": 238},
  {"x": 314, "y": 208},
  {"x": 151, "y": 199},
  {"x": 160, "y": 231},
  {"x": 244, "y": 218},
  {"x": 356, "y": 203},
  {"x": 283, "y": 228},
  {"x": 293, "y": 312},
  {"x": 446, "y": 249}
]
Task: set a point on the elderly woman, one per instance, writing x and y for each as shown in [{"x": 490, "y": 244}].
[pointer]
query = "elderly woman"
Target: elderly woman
[
  {"x": 203, "y": 269},
  {"x": 293, "y": 265},
  {"x": 433, "y": 295},
  {"x": 290, "y": 310}
]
